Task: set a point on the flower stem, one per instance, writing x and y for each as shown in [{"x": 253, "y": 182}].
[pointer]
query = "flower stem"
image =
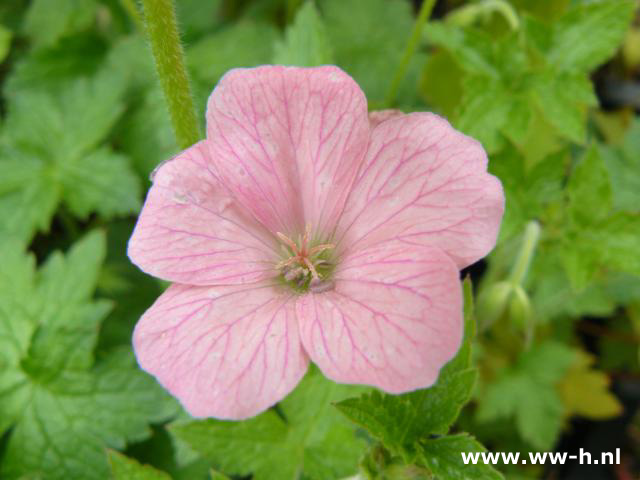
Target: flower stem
[
  {"x": 412, "y": 45},
  {"x": 132, "y": 10},
  {"x": 160, "y": 20},
  {"x": 525, "y": 255},
  {"x": 468, "y": 14}
]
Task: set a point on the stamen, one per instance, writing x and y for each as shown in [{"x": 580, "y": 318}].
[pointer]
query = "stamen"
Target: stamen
[
  {"x": 290, "y": 243},
  {"x": 312, "y": 269},
  {"x": 286, "y": 263},
  {"x": 321, "y": 248},
  {"x": 301, "y": 262},
  {"x": 307, "y": 234}
]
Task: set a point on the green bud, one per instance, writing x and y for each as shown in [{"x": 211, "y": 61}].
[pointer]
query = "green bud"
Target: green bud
[
  {"x": 520, "y": 311},
  {"x": 492, "y": 303}
]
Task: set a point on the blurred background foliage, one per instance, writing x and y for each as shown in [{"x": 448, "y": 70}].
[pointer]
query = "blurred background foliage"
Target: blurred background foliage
[{"x": 550, "y": 87}]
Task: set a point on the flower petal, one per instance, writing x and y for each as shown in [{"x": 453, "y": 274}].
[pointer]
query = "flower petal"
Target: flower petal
[
  {"x": 393, "y": 319},
  {"x": 424, "y": 183},
  {"x": 376, "y": 117},
  {"x": 224, "y": 352},
  {"x": 288, "y": 142},
  {"x": 191, "y": 231}
]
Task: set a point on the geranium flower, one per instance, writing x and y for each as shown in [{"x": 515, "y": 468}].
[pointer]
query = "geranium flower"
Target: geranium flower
[{"x": 298, "y": 230}]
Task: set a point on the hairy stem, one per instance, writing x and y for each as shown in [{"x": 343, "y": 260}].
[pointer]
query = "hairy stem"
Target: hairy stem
[
  {"x": 160, "y": 20},
  {"x": 412, "y": 45}
]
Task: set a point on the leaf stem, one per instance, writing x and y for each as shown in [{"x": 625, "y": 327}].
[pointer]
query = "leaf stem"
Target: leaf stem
[
  {"x": 412, "y": 45},
  {"x": 160, "y": 20},
  {"x": 525, "y": 255}
]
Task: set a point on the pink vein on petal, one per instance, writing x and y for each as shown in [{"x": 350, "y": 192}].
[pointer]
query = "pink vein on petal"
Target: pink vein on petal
[
  {"x": 393, "y": 319},
  {"x": 227, "y": 352},
  {"x": 424, "y": 183},
  {"x": 190, "y": 230},
  {"x": 288, "y": 142}
]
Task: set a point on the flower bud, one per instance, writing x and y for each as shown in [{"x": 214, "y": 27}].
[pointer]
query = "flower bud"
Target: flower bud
[
  {"x": 520, "y": 311},
  {"x": 492, "y": 303}
]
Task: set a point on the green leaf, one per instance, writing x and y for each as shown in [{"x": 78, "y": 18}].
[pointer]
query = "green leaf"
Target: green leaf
[
  {"x": 441, "y": 83},
  {"x": 471, "y": 49},
  {"x": 49, "y": 20},
  {"x": 368, "y": 38},
  {"x": 399, "y": 421},
  {"x": 124, "y": 468},
  {"x": 145, "y": 133},
  {"x": 506, "y": 86},
  {"x": 53, "y": 67},
  {"x": 243, "y": 44},
  {"x": 63, "y": 409},
  {"x": 30, "y": 208},
  {"x": 218, "y": 476},
  {"x": 579, "y": 259},
  {"x": 306, "y": 43},
  {"x": 589, "y": 189},
  {"x": 563, "y": 100},
  {"x": 101, "y": 183},
  {"x": 597, "y": 238},
  {"x": 309, "y": 437},
  {"x": 615, "y": 242},
  {"x": 585, "y": 391},
  {"x": 527, "y": 393},
  {"x": 530, "y": 192},
  {"x": 484, "y": 111},
  {"x": 623, "y": 163},
  {"x": 5, "y": 42},
  {"x": 52, "y": 145},
  {"x": 131, "y": 290},
  {"x": 589, "y": 34},
  {"x": 197, "y": 18},
  {"x": 519, "y": 119},
  {"x": 443, "y": 457},
  {"x": 545, "y": 9},
  {"x": 555, "y": 298}
]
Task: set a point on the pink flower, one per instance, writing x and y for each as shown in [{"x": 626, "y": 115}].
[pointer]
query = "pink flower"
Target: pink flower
[{"x": 299, "y": 230}]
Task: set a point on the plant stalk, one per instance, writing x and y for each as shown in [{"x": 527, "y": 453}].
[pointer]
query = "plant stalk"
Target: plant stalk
[
  {"x": 160, "y": 21},
  {"x": 132, "y": 10},
  {"x": 412, "y": 45},
  {"x": 525, "y": 255}
]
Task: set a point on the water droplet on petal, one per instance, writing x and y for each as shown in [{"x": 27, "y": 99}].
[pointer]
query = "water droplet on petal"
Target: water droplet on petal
[{"x": 180, "y": 198}]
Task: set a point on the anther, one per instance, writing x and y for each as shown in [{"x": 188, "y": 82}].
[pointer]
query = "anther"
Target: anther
[
  {"x": 302, "y": 262},
  {"x": 312, "y": 269}
]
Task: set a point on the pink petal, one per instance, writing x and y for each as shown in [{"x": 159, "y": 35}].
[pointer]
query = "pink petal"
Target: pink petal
[
  {"x": 227, "y": 352},
  {"x": 288, "y": 142},
  {"x": 424, "y": 183},
  {"x": 376, "y": 117},
  {"x": 393, "y": 319},
  {"x": 190, "y": 230}
]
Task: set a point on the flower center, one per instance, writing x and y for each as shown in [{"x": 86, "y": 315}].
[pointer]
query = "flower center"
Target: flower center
[{"x": 305, "y": 266}]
